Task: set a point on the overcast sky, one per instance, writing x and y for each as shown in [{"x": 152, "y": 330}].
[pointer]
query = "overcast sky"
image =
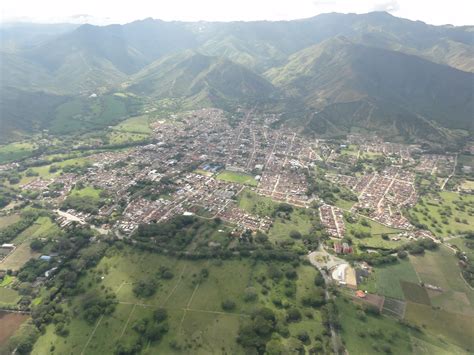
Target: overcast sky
[{"x": 457, "y": 12}]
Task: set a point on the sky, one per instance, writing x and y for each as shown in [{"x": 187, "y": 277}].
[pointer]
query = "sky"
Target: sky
[{"x": 101, "y": 12}]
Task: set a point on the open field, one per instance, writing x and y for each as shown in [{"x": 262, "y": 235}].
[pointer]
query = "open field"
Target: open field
[
  {"x": 87, "y": 191},
  {"x": 197, "y": 322},
  {"x": 450, "y": 213},
  {"x": 453, "y": 327},
  {"x": 440, "y": 269},
  {"x": 256, "y": 204},
  {"x": 10, "y": 323},
  {"x": 8, "y": 297},
  {"x": 15, "y": 151},
  {"x": 5, "y": 221},
  {"x": 139, "y": 124},
  {"x": 385, "y": 280},
  {"x": 239, "y": 178},
  {"x": 376, "y": 230},
  {"x": 413, "y": 292},
  {"x": 18, "y": 257},
  {"x": 376, "y": 332},
  {"x": 460, "y": 242},
  {"x": 43, "y": 227}
]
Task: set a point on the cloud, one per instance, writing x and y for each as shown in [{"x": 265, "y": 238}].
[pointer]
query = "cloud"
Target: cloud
[{"x": 388, "y": 6}]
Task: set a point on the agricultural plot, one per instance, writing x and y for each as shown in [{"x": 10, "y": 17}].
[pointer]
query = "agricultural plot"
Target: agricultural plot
[
  {"x": 385, "y": 280},
  {"x": 394, "y": 307},
  {"x": 415, "y": 293},
  {"x": 440, "y": 269},
  {"x": 239, "y": 178}
]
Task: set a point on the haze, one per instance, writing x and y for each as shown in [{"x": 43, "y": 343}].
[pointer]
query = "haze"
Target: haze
[{"x": 456, "y": 12}]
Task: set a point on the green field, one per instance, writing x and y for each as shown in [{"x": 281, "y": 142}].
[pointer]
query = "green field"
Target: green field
[
  {"x": 460, "y": 242},
  {"x": 139, "y": 124},
  {"x": 385, "y": 280},
  {"x": 5, "y": 221},
  {"x": 43, "y": 227},
  {"x": 448, "y": 326},
  {"x": 87, "y": 191},
  {"x": 8, "y": 297},
  {"x": 376, "y": 230},
  {"x": 446, "y": 214},
  {"x": 15, "y": 151},
  {"x": 256, "y": 204},
  {"x": 441, "y": 269},
  {"x": 373, "y": 334},
  {"x": 239, "y": 178},
  {"x": 198, "y": 323}
]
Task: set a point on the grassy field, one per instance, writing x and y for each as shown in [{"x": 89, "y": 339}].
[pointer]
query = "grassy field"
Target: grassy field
[
  {"x": 431, "y": 211},
  {"x": 197, "y": 321},
  {"x": 5, "y": 221},
  {"x": 460, "y": 242},
  {"x": 256, "y": 204},
  {"x": 87, "y": 191},
  {"x": 239, "y": 178},
  {"x": 440, "y": 269},
  {"x": 452, "y": 327},
  {"x": 385, "y": 280},
  {"x": 15, "y": 151},
  {"x": 139, "y": 124},
  {"x": 368, "y": 337},
  {"x": 43, "y": 227},
  {"x": 8, "y": 297},
  {"x": 376, "y": 230}
]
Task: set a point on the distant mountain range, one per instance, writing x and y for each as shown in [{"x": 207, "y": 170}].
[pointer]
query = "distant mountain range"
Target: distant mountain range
[{"x": 327, "y": 74}]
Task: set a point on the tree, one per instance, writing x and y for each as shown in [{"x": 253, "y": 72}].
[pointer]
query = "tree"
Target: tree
[
  {"x": 228, "y": 305},
  {"x": 293, "y": 315}
]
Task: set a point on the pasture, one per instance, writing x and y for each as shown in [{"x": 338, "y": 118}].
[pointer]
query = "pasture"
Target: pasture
[
  {"x": 435, "y": 321},
  {"x": 193, "y": 298},
  {"x": 446, "y": 213}
]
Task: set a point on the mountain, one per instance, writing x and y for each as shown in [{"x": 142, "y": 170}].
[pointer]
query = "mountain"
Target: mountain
[
  {"x": 389, "y": 87},
  {"x": 372, "y": 70},
  {"x": 201, "y": 78}
]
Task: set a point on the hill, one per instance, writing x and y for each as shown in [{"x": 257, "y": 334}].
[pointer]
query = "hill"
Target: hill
[
  {"x": 349, "y": 83},
  {"x": 379, "y": 71},
  {"x": 201, "y": 79}
]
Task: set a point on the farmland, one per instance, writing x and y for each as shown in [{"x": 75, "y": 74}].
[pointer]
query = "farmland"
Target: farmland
[
  {"x": 197, "y": 321},
  {"x": 385, "y": 280}
]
